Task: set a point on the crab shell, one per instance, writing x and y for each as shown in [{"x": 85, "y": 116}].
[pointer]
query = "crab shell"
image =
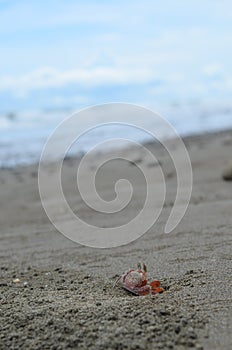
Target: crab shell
[
  {"x": 135, "y": 278},
  {"x": 135, "y": 281}
]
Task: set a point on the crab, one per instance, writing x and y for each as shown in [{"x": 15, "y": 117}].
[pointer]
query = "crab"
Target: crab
[{"x": 135, "y": 281}]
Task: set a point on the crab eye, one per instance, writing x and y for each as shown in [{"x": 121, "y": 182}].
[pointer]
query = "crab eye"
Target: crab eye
[{"x": 144, "y": 268}]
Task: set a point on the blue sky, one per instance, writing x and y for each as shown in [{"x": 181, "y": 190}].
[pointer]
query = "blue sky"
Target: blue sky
[{"x": 70, "y": 53}]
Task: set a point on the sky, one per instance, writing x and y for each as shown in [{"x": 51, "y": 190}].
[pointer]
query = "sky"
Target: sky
[{"x": 72, "y": 54}]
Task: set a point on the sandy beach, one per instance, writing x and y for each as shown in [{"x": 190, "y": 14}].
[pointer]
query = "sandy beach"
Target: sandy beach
[{"x": 56, "y": 294}]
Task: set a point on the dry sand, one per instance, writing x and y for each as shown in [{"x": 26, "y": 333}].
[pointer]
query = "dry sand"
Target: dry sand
[{"x": 64, "y": 298}]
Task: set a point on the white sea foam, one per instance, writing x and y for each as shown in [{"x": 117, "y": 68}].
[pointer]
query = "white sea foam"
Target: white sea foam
[{"x": 22, "y": 135}]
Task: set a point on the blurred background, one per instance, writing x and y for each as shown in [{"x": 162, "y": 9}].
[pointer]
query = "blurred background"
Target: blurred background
[{"x": 60, "y": 56}]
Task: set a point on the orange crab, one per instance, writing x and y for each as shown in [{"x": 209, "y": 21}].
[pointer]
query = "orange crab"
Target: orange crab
[{"x": 135, "y": 281}]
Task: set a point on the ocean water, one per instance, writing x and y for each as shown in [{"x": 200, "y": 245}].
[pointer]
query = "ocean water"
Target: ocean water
[{"x": 23, "y": 134}]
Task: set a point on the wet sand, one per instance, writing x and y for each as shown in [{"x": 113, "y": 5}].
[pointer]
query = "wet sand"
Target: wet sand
[{"x": 56, "y": 294}]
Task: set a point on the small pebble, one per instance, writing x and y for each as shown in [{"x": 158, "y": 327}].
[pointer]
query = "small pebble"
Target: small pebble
[
  {"x": 227, "y": 173},
  {"x": 16, "y": 280}
]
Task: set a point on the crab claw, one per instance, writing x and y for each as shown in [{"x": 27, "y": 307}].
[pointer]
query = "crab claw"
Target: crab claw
[
  {"x": 155, "y": 287},
  {"x": 155, "y": 284},
  {"x": 157, "y": 290}
]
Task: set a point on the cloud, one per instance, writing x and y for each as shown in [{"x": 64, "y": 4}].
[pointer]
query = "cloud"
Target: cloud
[
  {"x": 48, "y": 77},
  {"x": 99, "y": 44},
  {"x": 213, "y": 69}
]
